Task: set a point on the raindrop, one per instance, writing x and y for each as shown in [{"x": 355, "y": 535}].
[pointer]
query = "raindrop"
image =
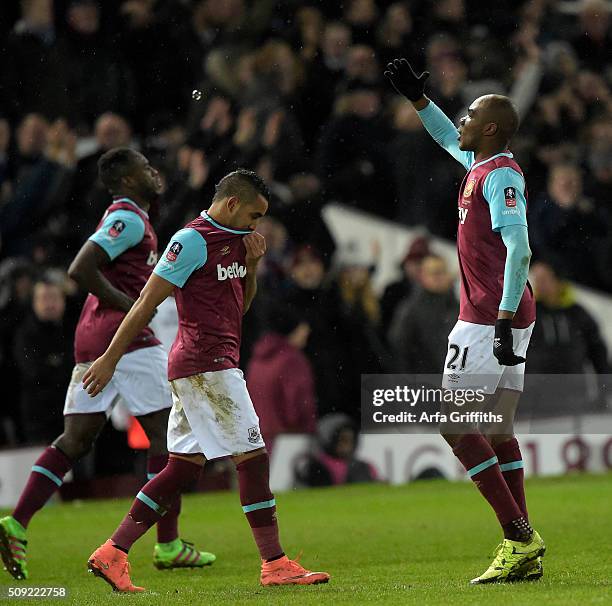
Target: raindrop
[{"x": 196, "y": 94}]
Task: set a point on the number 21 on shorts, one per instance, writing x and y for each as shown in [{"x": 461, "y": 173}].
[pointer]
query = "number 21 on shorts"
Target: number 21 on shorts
[{"x": 456, "y": 353}]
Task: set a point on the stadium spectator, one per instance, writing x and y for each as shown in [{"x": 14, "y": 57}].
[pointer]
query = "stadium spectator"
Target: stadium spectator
[
  {"x": 280, "y": 378},
  {"x": 417, "y": 346},
  {"x": 16, "y": 279},
  {"x": 334, "y": 462},
  {"x": 323, "y": 74},
  {"x": 88, "y": 198},
  {"x": 319, "y": 305},
  {"x": 594, "y": 38},
  {"x": 365, "y": 351},
  {"x": 566, "y": 228},
  {"x": 566, "y": 341},
  {"x": 34, "y": 68},
  {"x": 353, "y": 159},
  {"x": 398, "y": 291},
  {"x": 420, "y": 202},
  {"x": 43, "y": 352},
  {"x": 361, "y": 16},
  {"x": 43, "y": 177},
  {"x": 395, "y": 33},
  {"x": 87, "y": 51}
]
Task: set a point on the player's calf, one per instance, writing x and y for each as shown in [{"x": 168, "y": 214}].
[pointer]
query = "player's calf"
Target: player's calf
[{"x": 259, "y": 506}]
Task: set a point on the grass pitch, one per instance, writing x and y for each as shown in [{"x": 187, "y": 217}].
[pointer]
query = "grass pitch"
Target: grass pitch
[{"x": 415, "y": 544}]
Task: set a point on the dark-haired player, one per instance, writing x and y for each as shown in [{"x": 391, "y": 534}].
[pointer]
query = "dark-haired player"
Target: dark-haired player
[
  {"x": 497, "y": 310},
  {"x": 113, "y": 265},
  {"x": 210, "y": 266}
]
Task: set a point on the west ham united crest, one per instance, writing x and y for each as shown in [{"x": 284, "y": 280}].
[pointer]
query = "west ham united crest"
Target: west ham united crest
[
  {"x": 254, "y": 435},
  {"x": 469, "y": 188}
]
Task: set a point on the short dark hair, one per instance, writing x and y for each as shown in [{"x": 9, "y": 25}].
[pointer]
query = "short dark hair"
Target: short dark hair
[
  {"x": 115, "y": 164},
  {"x": 243, "y": 183},
  {"x": 505, "y": 114}
]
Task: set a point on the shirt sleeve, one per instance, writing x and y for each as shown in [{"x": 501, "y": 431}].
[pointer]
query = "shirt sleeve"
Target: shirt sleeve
[
  {"x": 444, "y": 133},
  {"x": 185, "y": 254},
  {"x": 516, "y": 270},
  {"x": 504, "y": 190},
  {"x": 120, "y": 230}
]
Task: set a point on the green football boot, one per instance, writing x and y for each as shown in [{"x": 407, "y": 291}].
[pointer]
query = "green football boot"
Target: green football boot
[
  {"x": 180, "y": 554},
  {"x": 510, "y": 557},
  {"x": 13, "y": 547},
  {"x": 531, "y": 571}
]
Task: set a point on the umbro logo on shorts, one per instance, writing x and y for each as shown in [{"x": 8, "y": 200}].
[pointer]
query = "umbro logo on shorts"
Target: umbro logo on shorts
[{"x": 232, "y": 271}]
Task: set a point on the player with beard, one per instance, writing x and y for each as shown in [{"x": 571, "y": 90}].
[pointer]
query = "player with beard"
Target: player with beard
[
  {"x": 113, "y": 266},
  {"x": 211, "y": 268}
]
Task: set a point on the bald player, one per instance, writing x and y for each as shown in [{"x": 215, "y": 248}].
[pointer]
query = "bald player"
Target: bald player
[{"x": 487, "y": 346}]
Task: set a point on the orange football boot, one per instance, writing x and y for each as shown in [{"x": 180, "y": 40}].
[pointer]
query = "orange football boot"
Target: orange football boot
[
  {"x": 111, "y": 564},
  {"x": 288, "y": 572}
]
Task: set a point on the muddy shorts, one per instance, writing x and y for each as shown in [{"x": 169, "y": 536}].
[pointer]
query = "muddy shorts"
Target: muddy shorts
[
  {"x": 140, "y": 382},
  {"x": 213, "y": 414}
]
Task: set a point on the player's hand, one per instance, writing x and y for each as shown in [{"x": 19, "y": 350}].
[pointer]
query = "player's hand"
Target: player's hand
[
  {"x": 503, "y": 346},
  {"x": 255, "y": 245},
  {"x": 98, "y": 375},
  {"x": 405, "y": 80}
]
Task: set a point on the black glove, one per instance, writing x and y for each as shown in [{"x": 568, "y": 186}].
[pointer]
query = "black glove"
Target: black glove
[
  {"x": 502, "y": 344},
  {"x": 404, "y": 79}
]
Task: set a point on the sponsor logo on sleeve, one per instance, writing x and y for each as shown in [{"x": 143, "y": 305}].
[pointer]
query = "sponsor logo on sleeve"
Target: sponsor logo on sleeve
[
  {"x": 116, "y": 228},
  {"x": 174, "y": 251},
  {"x": 510, "y": 196}
]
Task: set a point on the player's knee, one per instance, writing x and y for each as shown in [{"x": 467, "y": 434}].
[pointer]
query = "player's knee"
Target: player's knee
[{"x": 75, "y": 445}]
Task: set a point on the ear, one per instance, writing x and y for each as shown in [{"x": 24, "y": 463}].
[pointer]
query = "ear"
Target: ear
[
  {"x": 490, "y": 130},
  {"x": 232, "y": 203},
  {"x": 127, "y": 182}
]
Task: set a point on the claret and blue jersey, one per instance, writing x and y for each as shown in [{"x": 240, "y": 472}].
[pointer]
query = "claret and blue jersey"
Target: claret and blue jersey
[
  {"x": 206, "y": 263},
  {"x": 127, "y": 236},
  {"x": 492, "y": 209}
]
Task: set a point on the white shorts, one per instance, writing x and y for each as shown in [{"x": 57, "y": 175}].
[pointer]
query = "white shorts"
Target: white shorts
[
  {"x": 213, "y": 414},
  {"x": 470, "y": 363},
  {"x": 140, "y": 382}
]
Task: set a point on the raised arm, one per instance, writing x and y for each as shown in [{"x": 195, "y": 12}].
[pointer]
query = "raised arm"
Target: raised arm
[{"x": 442, "y": 130}]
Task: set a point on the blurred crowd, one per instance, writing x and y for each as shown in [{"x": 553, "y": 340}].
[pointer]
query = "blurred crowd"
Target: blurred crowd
[{"x": 294, "y": 91}]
